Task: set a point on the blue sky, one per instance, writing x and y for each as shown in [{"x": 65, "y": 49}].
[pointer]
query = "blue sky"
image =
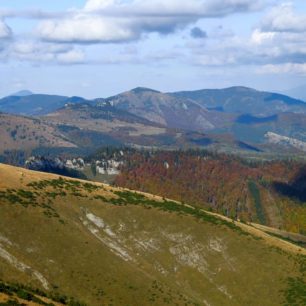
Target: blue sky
[{"x": 97, "y": 48}]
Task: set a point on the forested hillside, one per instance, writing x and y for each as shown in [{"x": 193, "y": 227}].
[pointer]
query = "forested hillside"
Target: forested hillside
[{"x": 270, "y": 193}]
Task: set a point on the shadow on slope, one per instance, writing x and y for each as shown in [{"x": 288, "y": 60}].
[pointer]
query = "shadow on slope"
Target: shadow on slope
[{"x": 296, "y": 188}]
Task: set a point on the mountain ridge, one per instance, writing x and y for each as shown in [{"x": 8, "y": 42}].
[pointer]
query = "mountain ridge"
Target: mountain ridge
[
  {"x": 168, "y": 110},
  {"x": 37, "y": 104},
  {"x": 239, "y": 99}
]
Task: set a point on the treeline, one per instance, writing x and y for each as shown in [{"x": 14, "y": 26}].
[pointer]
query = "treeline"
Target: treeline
[
  {"x": 53, "y": 165},
  {"x": 237, "y": 188},
  {"x": 120, "y": 153}
]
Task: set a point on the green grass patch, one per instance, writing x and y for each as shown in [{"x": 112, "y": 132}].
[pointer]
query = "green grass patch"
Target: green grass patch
[
  {"x": 27, "y": 198},
  {"x": 133, "y": 198},
  {"x": 295, "y": 294},
  {"x": 256, "y": 196},
  {"x": 299, "y": 243},
  {"x": 33, "y": 294}
]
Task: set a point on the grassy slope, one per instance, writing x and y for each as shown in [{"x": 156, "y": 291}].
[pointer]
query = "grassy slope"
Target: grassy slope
[
  {"x": 24, "y": 133},
  {"x": 18, "y": 296},
  {"x": 104, "y": 251}
]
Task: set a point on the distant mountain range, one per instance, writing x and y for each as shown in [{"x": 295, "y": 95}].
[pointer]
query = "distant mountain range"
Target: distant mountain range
[
  {"x": 232, "y": 118},
  {"x": 243, "y": 100},
  {"x": 242, "y": 112},
  {"x": 80, "y": 128},
  {"x": 298, "y": 92},
  {"x": 35, "y": 104},
  {"x": 164, "y": 108},
  {"x": 82, "y": 122}
]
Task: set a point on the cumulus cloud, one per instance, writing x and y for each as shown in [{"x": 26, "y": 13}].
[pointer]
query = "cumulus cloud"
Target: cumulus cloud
[
  {"x": 277, "y": 44},
  {"x": 283, "y": 19},
  {"x": 103, "y": 21},
  {"x": 5, "y": 31},
  {"x": 43, "y": 52},
  {"x": 204, "y": 8},
  {"x": 280, "y": 38},
  {"x": 228, "y": 54},
  {"x": 261, "y": 48},
  {"x": 260, "y": 38},
  {"x": 85, "y": 29},
  {"x": 277, "y": 39}
]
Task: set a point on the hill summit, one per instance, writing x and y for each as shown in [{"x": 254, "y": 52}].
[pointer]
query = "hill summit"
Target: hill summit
[{"x": 22, "y": 93}]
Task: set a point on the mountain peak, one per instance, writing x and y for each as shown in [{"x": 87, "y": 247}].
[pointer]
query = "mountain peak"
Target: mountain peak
[
  {"x": 143, "y": 89},
  {"x": 241, "y": 88},
  {"x": 22, "y": 93}
]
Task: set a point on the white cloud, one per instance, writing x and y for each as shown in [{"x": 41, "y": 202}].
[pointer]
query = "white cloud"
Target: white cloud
[
  {"x": 277, "y": 41},
  {"x": 5, "y": 31},
  {"x": 261, "y": 48},
  {"x": 277, "y": 45},
  {"x": 259, "y": 37},
  {"x": 98, "y": 4},
  {"x": 103, "y": 21},
  {"x": 280, "y": 37},
  {"x": 283, "y": 19},
  {"x": 286, "y": 68},
  {"x": 204, "y": 8},
  {"x": 41, "y": 52},
  {"x": 85, "y": 29},
  {"x": 24, "y": 47},
  {"x": 71, "y": 57}
]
